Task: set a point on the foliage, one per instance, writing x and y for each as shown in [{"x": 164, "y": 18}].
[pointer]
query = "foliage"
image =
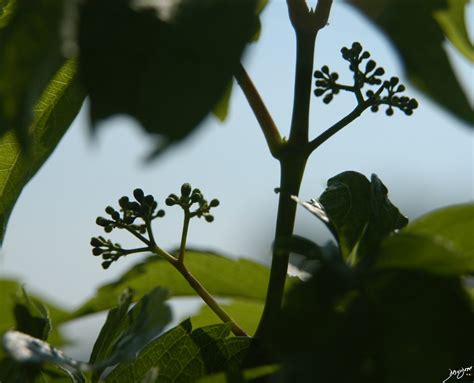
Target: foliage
[{"x": 386, "y": 301}]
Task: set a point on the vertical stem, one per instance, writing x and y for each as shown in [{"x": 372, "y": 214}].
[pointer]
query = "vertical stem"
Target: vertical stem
[
  {"x": 303, "y": 84},
  {"x": 292, "y": 169}
]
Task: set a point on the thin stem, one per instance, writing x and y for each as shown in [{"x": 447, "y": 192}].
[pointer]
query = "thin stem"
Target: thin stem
[
  {"x": 184, "y": 236},
  {"x": 200, "y": 290},
  {"x": 265, "y": 120},
  {"x": 133, "y": 251},
  {"x": 323, "y": 137},
  {"x": 356, "y": 112},
  {"x": 210, "y": 301},
  {"x": 135, "y": 234}
]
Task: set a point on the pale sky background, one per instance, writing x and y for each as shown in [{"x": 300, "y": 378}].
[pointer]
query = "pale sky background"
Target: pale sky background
[{"x": 425, "y": 160}]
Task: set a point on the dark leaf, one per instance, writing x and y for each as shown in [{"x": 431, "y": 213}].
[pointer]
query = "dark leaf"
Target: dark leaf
[
  {"x": 417, "y": 29},
  {"x": 166, "y": 69},
  {"x": 360, "y": 212},
  {"x": 389, "y": 327}
]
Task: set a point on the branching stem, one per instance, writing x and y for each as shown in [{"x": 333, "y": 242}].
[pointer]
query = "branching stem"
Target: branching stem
[
  {"x": 265, "y": 120},
  {"x": 208, "y": 298}
]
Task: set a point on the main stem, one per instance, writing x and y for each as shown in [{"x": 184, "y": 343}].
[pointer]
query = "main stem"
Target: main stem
[{"x": 293, "y": 158}]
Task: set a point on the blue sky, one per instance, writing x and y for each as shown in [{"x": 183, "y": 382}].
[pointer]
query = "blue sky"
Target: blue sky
[{"x": 426, "y": 161}]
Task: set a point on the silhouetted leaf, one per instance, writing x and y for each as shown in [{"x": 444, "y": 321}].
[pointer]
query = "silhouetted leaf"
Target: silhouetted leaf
[
  {"x": 221, "y": 110},
  {"x": 412, "y": 26},
  {"x": 222, "y": 277},
  {"x": 388, "y": 327},
  {"x": 30, "y": 56},
  {"x": 166, "y": 69},
  {"x": 360, "y": 212},
  {"x": 126, "y": 332},
  {"x": 183, "y": 355},
  {"x": 53, "y": 114},
  {"x": 440, "y": 242}
]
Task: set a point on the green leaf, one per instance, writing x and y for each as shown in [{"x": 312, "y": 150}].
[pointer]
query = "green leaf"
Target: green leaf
[
  {"x": 414, "y": 30},
  {"x": 54, "y": 112},
  {"x": 360, "y": 212},
  {"x": 166, "y": 69},
  {"x": 440, "y": 242},
  {"x": 183, "y": 355},
  {"x": 10, "y": 290},
  {"x": 31, "y": 317},
  {"x": 222, "y": 277},
  {"x": 452, "y": 22},
  {"x": 244, "y": 312},
  {"x": 30, "y": 56},
  {"x": 126, "y": 332}
]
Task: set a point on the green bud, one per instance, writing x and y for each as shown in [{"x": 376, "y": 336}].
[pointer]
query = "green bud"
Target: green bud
[
  {"x": 214, "y": 203},
  {"x": 97, "y": 251},
  {"x": 101, "y": 221},
  {"x": 108, "y": 229},
  {"x": 106, "y": 264},
  {"x": 95, "y": 242},
  {"x": 129, "y": 219},
  {"x": 209, "y": 218},
  {"x": 109, "y": 210},
  {"x": 170, "y": 201},
  {"x": 148, "y": 200},
  {"x": 186, "y": 190},
  {"x": 160, "y": 213},
  {"x": 196, "y": 197},
  {"x": 123, "y": 202},
  {"x": 138, "y": 194}
]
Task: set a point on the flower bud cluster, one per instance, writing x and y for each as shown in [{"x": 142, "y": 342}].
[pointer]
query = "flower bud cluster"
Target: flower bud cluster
[
  {"x": 356, "y": 55},
  {"x": 404, "y": 103},
  {"x": 142, "y": 208},
  {"x": 327, "y": 86},
  {"x": 193, "y": 197},
  {"x": 109, "y": 251}
]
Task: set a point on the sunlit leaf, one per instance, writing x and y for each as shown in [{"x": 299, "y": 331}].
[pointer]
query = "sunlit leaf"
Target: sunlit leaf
[
  {"x": 453, "y": 22},
  {"x": 246, "y": 313},
  {"x": 53, "y": 114},
  {"x": 440, "y": 242},
  {"x": 414, "y": 30},
  {"x": 183, "y": 355}
]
